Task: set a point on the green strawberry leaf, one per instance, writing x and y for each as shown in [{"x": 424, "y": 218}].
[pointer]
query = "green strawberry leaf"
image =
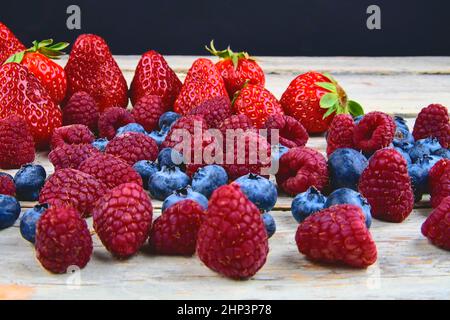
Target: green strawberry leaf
[
  {"x": 328, "y": 100},
  {"x": 355, "y": 108},
  {"x": 327, "y": 85},
  {"x": 330, "y": 111},
  {"x": 59, "y": 46},
  {"x": 17, "y": 57},
  {"x": 235, "y": 60},
  {"x": 329, "y": 77}
]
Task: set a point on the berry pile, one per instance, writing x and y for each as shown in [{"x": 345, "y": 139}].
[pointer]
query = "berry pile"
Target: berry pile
[{"x": 206, "y": 148}]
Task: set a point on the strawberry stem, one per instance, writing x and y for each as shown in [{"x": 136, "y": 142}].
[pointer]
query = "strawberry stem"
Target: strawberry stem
[
  {"x": 227, "y": 54},
  {"x": 45, "y": 47}
]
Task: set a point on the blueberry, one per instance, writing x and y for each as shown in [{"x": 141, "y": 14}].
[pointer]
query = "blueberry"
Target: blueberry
[
  {"x": 278, "y": 151},
  {"x": 423, "y": 147},
  {"x": 131, "y": 127},
  {"x": 404, "y": 145},
  {"x": 357, "y": 119},
  {"x": 29, "y": 220},
  {"x": 158, "y": 136},
  {"x": 405, "y": 155},
  {"x": 401, "y": 123},
  {"x": 209, "y": 178},
  {"x": 307, "y": 203},
  {"x": 419, "y": 174},
  {"x": 167, "y": 119},
  {"x": 100, "y": 144},
  {"x": 402, "y": 135},
  {"x": 146, "y": 169},
  {"x": 164, "y": 182},
  {"x": 185, "y": 194},
  {"x": 349, "y": 196},
  {"x": 29, "y": 181},
  {"x": 269, "y": 223},
  {"x": 169, "y": 157},
  {"x": 346, "y": 166},
  {"x": 9, "y": 211},
  {"x": 259, "y": 190},
  {"x": 443, "y": 153}
]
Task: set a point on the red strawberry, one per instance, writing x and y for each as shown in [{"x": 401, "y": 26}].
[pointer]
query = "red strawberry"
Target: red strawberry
[
  {"x": 232, "y": 240},
  {"x": 256, "y": 103},
  {"x": 21, "y": 93},
  {"x": 9, "y": 44},
  {"x": 337, "y": 235},
  {"x": 439, "y": 181},
  {"x": 147, "y": 111},
  {"x": 291, "y": 132},
  {"x": 340, "y": 133},
  {"x": 437, "y": 226},
  {"x": 175, "y": 231},
  {"x": 376, "y": 130},
  {"x": 386, "y": 185},
  {"x": 433, "y": 121},
  {"x": 237, "y": 69},
  {"x": 202, "y": 82},
  {"x": 314, "y": 98},
  {"x": 92, "y": 68},
  {"x": 81, "y": 109},
  {"x": 38, "y": 61},
  {"x": 154, "y": 76}
]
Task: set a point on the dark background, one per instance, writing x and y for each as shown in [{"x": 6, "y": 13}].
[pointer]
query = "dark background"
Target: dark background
[{"x": 278, "y": 27}]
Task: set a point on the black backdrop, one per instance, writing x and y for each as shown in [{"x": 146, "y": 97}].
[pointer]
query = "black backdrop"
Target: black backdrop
[{"x": 277, "y": 27}]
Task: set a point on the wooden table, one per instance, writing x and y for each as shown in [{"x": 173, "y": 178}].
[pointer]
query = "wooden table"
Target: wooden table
[{"x": 408, "y": 266}]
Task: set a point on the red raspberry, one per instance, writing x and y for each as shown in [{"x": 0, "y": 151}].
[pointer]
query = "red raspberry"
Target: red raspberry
[
  {"x": 147, "y": 111},
  {"x": 70, "y": 187},
  {"x": 132, "y": 147},
  {"x": 214, "y": 110},
  {"x": 188, "y": 123},
  {"x": 62, "y": 239},
  {"x": 376, "y": 130},
  {"x": 386, "y": 185},
  {"x": 433, "y": 121},
  {"x": 439, "y": 181},
  {"x": 238, "y": 121},
  {"x": 81, "y": 109},
  {"x": 175, "y": 231},
  {"x": 71, "y": 155},
  {"x": 16, "y": 143},
  {"x": 7, "y": 185},
  {"x": 337, "y": 235},
  {"x": 340, "y": 133},
  {"x": 437, "y": 226},
  {"x": 111, "y": 120},
  {"x": 73, "y": 134},
  {"x": 110, "y": 170},
  {"x": 301, "y": 168},
  {"x": 291, "y": 132},
  {"x": 232, "y": 240},
  {"x": 123, "y": 218}
]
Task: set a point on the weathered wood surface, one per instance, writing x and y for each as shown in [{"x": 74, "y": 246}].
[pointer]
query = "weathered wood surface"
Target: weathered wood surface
[{"x": 408, "y": 266}]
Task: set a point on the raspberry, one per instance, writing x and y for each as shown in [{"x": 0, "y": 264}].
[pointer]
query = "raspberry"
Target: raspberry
[
  {"x": 175, "y": 231},
  {"x": 7, "y": 185},
  {"x": 433, "y": 121},
  {"x": 111, "y": 120},
  {"x": 71, "y": 156},
  {"x": 132, "y": 147},
  {"x": 439, "y": 181},
  {"x": 74, "y": 188},
  {"x": 301, "y": 168},
  {"x": 437, "y": 226},
  {"x": 147, "y": 111},
  {"x": 123, "y": 218},
  {"x": 214, "y": 110},
  {"x": 73, "y": 134},
  {"x": 340, "y": 133},
  {"x": 110, "y": 170},
  {"x": 337, "y": 235},
  {"x": 62, "y": 239},
  {"x": 192, "y": 124},
  {"x": 16, "y": 143},
  {"x": 238, "y": 121},
  {"x": 292, "y": 133},
  {"x": 81, "y": 109},
  {"x": 376, "y": 130},
  {"x": 386, "y": 185},
  {"x": 232, "y": 240}
]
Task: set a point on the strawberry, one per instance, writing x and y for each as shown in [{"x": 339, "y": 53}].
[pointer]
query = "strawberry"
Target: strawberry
[
  {"x": 38, "y": 61},
  {"x": 237, "y": 69},
  {"x": 202, "y": 82},
  {"x": 153, "y": 76},
  {"x": 22, "y": 93},
  {"x": 9, "y": 44},
  {"x": 257, "y": 103},
  {"x": 92, "y": 68},
  {"x": 314, "y": 98}
]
